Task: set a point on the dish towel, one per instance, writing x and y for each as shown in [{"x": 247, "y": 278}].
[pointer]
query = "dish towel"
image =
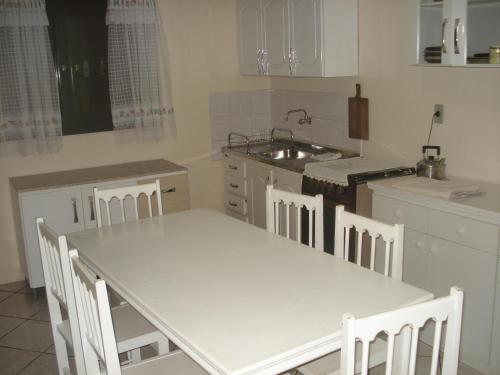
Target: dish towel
[
  {"x": 446, "y": 189},
  {"x": 336, "y": 171}
]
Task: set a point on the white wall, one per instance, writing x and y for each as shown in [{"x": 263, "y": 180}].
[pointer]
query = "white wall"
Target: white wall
[
  {"x": 402, "y": 98},
  {"x": 202, "y": 43}
]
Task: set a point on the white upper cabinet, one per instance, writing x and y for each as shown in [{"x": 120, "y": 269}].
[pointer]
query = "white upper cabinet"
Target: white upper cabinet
[
  {"x": 315, "y": 38},
  {"x": 454, "y": 32}
]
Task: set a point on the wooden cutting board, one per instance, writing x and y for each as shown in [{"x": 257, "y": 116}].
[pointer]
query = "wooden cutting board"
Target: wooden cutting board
[{"x": 358, "y": 115}]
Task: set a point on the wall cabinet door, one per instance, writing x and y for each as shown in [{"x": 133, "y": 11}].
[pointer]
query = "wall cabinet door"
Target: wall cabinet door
[
  {"x": 275, "y": 26},
  {"x": 249, "y": 35},
  {"x": 259, "y": 176},
  {"x": 62, "y": 211},
  {"x": 454, "y": 32},
  {"x": 450, "y": 264},
  {"x": 306, "y": 37}
]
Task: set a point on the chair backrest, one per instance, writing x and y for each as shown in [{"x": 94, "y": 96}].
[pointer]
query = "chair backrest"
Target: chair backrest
[
  {"x": 59, "y": 289},
  {"x": 279, "y": 202},
  {"x": 107, "y": 195},
  {"x": 414, "y": 317},
  {"x": 94, "y": 316},
  {"x": 390, "y": 234}
]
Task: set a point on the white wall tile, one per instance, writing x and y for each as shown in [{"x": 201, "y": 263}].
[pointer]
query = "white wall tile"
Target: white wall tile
[
  {"x": 220, "y": 127},
  {"x": 241, "y": 102},
  {"x": 219, "y": 104},
  {"x": 241, "y": 124}
]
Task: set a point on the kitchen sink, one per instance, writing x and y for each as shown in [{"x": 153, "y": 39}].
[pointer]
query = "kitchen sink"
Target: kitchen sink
[{"x": 286, "y": 154}]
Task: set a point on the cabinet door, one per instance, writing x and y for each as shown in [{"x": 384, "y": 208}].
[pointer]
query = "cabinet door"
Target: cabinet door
[
  {"x": 415, "y": 259},
  {"x": 275, "y": 28},
  {"x": 62, "y": 211},
  {"x": 249, "y": 35},
  {"x": 305, "y": 37},
  {"x": 474, "y": 271},
  {"x": 259, "y": 176}
]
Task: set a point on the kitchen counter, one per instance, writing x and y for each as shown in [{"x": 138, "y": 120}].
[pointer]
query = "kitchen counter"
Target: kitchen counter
[
  {"x": 84, "y": 176},
  {"x": 294, "y": 165},
  {"x": 485, "y": 207}
]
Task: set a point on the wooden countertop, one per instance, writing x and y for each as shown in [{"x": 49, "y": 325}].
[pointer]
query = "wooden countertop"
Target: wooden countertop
[{"x": 95, "y": 174}]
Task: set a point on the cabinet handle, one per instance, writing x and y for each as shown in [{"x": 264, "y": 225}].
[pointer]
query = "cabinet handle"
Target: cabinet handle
[
  {"x": 234, "y": 186},
  {"x": 420, "y": 245},
  {"x": 259, "y": 61},
  {"x": 443, "y": 37},
  {"x": 91, "y": 204},
  {"x": 233, "y": 167},
  {"x": 267, "y": 179},
  {"x": 75, "y": 212},
  {"x": 460, "y": 230},
  {"x": 265, "y": 62},
  {"x": 398, "y": 212},
  {"x": 171, "y": 190},
  {"x": 434, "y": 249},
  {"x": 457, "y": 29},
  {"x": 232, "y": 204},
  {"x": 275, "y": 181},
  {"x": 292, "y": 61}
]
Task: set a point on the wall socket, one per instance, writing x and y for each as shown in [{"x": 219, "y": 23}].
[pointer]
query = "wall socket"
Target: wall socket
[{"x": 439, "y": 108}]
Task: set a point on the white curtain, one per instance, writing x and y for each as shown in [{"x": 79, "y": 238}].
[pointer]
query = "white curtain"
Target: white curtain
[
  {"x": 30, "y": 116},
  {"x": 139, "y": 82}
]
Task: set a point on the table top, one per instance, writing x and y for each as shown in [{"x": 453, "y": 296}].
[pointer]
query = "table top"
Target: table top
[{"x": 234, "y": 297}]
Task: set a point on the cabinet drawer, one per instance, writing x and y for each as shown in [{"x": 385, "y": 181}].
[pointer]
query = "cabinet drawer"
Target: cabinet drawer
[
  {"x": 235, "y": 167},
  {"x": 236, "y": 185},
  {"x": 236, "y": 204},
  {"x": 398, "y": 212},
  {"x": 465, "y": 231}
]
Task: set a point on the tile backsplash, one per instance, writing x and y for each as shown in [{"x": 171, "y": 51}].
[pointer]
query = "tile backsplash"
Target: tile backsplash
[{"x": 255, "y": 113}]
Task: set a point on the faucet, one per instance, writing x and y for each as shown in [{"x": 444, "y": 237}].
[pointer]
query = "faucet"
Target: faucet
[
  {"x": 283, "y": 130},
  {"x": 247, "y": 140},
  {"x": 306, "y": 120}
]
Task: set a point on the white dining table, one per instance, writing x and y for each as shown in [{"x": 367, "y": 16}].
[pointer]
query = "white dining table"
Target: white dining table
[{"x": 236, "y": 298}]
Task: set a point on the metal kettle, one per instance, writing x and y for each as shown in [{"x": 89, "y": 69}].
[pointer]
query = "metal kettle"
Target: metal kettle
[{"x": 431, "y": 166}]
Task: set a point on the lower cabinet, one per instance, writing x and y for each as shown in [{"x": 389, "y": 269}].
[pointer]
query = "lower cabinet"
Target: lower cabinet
[
  {"x": 436, "y": 264},
  {"x": 245, "y": 187},
  {"x": 71, "y": 209}
]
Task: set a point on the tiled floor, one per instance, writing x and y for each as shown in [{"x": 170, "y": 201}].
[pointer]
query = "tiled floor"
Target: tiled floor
[{"x": 26, "y": 346}]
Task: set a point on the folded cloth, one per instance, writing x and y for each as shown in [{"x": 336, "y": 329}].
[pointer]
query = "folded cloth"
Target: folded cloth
[
  {"x": 446, "y": 189},
  {"x": 336, "y": 171},
  {"x": 327, "y": 156}
]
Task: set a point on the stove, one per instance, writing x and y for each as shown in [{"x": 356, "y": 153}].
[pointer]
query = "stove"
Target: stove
[{"x": 356, "y": 197}]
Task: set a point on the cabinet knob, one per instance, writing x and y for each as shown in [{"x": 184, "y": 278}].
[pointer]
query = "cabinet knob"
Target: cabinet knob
[
  {"x": 434, "y": 249},
  {"x": 398, "y": 213},
  {"x": 420, "y": 245},
  {"x": 460, "y": 230}
]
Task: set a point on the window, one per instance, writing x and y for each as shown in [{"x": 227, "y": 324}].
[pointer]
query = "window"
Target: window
[{"x": 79, "y": 43}]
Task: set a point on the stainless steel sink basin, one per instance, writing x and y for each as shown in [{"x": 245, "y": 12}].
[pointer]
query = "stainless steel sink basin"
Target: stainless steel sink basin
[{"x": 286, "y": 154}]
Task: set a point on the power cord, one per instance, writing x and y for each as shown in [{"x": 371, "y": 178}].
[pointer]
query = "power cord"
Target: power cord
[{"x": 436, "y": 114}]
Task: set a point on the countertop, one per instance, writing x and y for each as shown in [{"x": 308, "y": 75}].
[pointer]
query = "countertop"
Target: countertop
[
  {"x": 95, "y": 174},
  {"x": 485, "y": 207}
]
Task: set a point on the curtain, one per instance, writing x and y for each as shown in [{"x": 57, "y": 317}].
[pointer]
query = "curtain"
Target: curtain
[
  {"x": 139, "y": 82},
  {"x": 30, "y": 116}
]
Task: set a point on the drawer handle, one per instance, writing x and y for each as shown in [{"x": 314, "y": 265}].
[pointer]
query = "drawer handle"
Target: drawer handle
[
  {"x": 434, "y": 249},
  {"x": 75, "y": 212},
  {"x": 91, "y": 204},
  {"x": 460, "y": 230},
  {"x": 233, "y": 167},
  {"x": 232, "y": 204},
  {"x": 398, "y": 212},
  {"x": 420, "y": 245},
  {"x": 234, "y": 186},
  {"x": 171, "y": 190}
]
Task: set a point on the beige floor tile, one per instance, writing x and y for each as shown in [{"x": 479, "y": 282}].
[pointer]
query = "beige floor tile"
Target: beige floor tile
[
  {"x": 31, "y": 335},
  {"x": 13, "y": 287},
  {"x": 46, "y": 364},
  {"x": 21, "y": 306},
  {"x": 42, "y": 315},
  {"x": 52, "y": 350},
  {"x": 7, "y": 324},
  {"x": 12, "y": 360},
  {"x": 5, "y": 295}
]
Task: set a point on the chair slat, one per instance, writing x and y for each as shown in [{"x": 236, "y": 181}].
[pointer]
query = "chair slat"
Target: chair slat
[
  {"x": 413, "y": 351},
  {"x": 346, "y": 243},
  {"x": 359, "y": 247},
  {"x": 287, "y": 225},
  {"x": 299, "y": 224},
  {"x": 372, "y": 252},
  {"x": 390, "y": 354},
  {"x": 387, "y": 257},
  {"x": 435, "y": 349},
  {"x": 310, "y": 228}
]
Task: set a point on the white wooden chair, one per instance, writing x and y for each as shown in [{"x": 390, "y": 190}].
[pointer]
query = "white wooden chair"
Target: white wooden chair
[
  {"x": 132, "y": 330},
  {"x": 107, "y": 195},
  {"x": 447, "y": 309},
  {"x": 98, "y": 339},
  {"x": 276, "y": 199},
  {"x": 392, "y": 235}
]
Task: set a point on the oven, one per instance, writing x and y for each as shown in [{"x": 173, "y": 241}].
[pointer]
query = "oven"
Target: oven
[{"x": 356, "y": 198}]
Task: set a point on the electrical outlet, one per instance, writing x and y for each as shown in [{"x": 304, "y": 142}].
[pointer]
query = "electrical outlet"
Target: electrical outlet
[{"x": 439, "y": 119}]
